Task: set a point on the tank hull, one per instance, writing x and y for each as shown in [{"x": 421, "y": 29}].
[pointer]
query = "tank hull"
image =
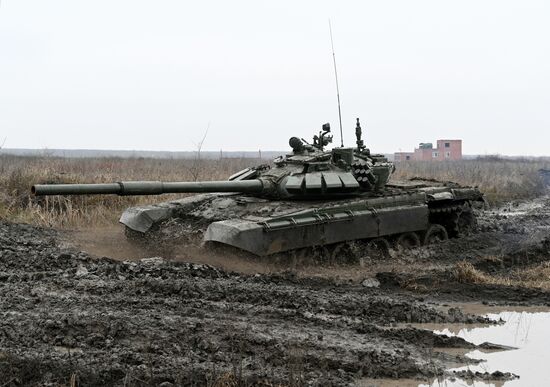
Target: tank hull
[{"x": 265, "y": 227}]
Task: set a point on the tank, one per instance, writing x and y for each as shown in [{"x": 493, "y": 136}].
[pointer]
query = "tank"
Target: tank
[{"x": 312, "y": 201}]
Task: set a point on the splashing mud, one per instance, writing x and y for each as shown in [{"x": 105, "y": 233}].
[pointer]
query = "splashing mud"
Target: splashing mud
[{"x": 111, "y": 242}]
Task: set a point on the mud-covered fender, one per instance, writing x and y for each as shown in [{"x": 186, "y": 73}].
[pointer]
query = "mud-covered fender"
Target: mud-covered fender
[{"x": 143, "y": 218}]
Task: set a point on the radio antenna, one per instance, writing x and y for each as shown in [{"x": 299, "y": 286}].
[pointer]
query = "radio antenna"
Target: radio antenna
[{"x": 337, "y": 88}]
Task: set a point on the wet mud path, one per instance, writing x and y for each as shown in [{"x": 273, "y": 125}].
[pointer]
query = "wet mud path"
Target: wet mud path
[{"x": 69, "y": 316}]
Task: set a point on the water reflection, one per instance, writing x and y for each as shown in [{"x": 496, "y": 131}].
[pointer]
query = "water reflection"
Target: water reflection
[{"x": 527, "y": 331}]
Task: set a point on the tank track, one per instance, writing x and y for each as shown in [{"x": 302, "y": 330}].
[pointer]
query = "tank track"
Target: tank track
[{"x": 457, "y": 218}]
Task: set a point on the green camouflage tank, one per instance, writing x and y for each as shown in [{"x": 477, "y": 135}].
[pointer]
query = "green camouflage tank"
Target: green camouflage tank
[{"x": 312, "y": 199}]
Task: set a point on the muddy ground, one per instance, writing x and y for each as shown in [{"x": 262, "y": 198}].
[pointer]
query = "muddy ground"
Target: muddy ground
[{"x": 70, "y": 317}]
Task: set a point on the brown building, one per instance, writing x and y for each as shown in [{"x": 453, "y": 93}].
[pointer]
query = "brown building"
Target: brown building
[
  {"x": 403, "y": 156},
  {"x": 445, "y": 150}
]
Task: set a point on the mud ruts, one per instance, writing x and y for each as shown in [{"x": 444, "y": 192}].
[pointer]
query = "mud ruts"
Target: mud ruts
[
  {"x": 104, "y": 322},
  {"x": 65, "y": 314}
]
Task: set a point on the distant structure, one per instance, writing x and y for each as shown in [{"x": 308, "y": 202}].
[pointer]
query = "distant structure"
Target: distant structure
[{"x": 445, "y": 150}]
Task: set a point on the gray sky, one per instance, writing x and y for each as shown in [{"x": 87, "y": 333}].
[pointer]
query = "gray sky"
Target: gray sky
[{"x": 152, "y": 74}]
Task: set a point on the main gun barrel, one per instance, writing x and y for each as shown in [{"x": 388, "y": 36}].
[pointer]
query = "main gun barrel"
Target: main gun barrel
[{"x": 149, "y": 187}]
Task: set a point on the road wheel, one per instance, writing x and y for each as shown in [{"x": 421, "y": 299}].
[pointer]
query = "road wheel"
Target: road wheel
[
  {"x": 320, "y": 254},
  {"x": 407, "y": 241},
  {"x": 436, "y": 233},
  {"x": 345, "y": 252},
  {"x": 310, "y": 256},
  {"x": 377, "y": 248}
]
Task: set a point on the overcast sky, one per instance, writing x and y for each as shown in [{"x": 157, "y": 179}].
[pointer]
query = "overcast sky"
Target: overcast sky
[{"x": 114, "y": 74}]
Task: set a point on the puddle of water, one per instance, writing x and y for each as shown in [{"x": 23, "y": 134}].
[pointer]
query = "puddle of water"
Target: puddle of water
[
  {"x": 469, "y": 383},
  {"x": 526, "y": 328},
  {"x": 414, "y": 383},
  {"x": 368, "y": 382},
  {"x": 486, "y": 310},
  {"x": 529, "y": 332}
]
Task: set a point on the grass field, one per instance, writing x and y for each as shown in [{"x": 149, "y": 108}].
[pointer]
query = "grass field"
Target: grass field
[{"x": 501, "y": 181}]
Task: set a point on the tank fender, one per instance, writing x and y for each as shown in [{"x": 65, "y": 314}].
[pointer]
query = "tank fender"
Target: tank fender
[
  {"x": 143, "y": 218},
  {"x": 441, "y": 196},
  {"x": 248, "y": 236}
]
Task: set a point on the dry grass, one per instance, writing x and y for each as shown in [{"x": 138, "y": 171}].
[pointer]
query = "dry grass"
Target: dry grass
[
  {"x": 533, "y": 277},
  {"x": 464, "y": 272},
  {"x": 18, "y": 174},
  {"x": 229, "y": 379},
  {"x": 501, "y": 180}
]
